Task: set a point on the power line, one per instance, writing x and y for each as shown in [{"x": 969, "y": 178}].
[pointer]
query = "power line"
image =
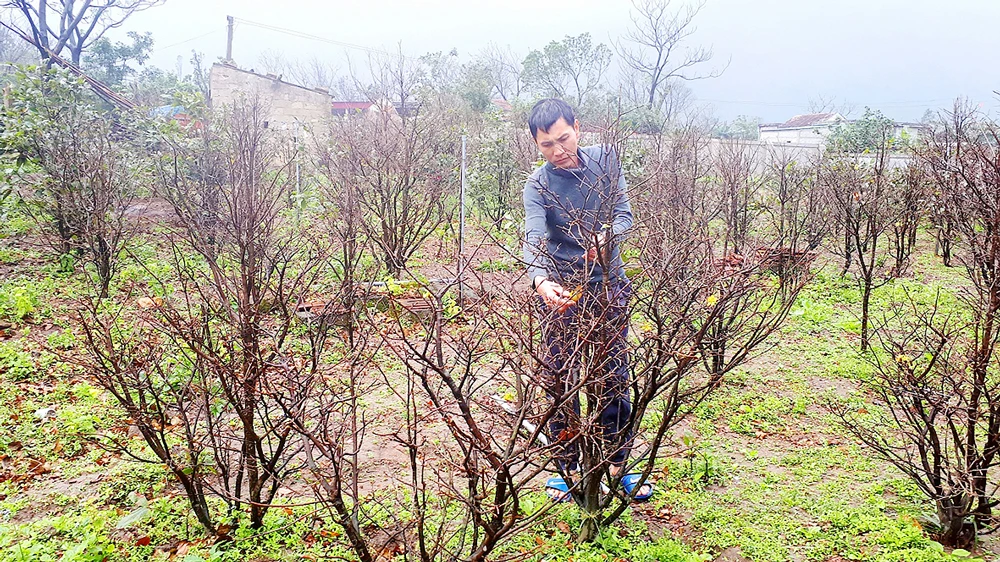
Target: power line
[
  {"x": 187, "y": 40},
  {"x": 312, "y": 37},
  {"x": 372, "y": 50},
  {"x": 900, "y": 104}
]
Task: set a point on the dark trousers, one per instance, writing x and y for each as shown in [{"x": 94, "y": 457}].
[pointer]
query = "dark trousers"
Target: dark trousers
[{"x": 589, "y": 340}]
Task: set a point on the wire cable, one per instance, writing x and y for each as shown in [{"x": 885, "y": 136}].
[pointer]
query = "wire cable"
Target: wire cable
[
  {"x": 304, "y": 35},
  {"x": 187, "y": 40}
]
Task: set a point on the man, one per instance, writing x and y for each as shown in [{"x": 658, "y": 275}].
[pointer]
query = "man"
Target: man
[{"x": 576, "y": 213}]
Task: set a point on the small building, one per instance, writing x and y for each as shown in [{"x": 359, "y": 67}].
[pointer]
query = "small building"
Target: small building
[
  {"x": 812, "y": 129},
  {"x": 341, "y": 108},
  {"x": 502, "y": 105},
  {"x": 808, "y": 129},
  {"x": 911, "y": 130},
  {"x": 291, "y": 106},
  {"x": 173, "y": 113}
]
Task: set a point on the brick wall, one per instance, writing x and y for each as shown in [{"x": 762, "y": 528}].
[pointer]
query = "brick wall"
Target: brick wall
[{"x": 288, "y": 103}]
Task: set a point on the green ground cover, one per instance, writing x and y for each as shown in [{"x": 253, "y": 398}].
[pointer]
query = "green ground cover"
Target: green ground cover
[{"x": 762, "y": 471}]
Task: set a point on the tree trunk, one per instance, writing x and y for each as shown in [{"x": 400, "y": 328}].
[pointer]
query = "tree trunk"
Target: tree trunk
[
  {"x": 955, "y": 533},
  {"x": 866, "y": 296},
  {"x": 590, "y": 508},
  {"x": 196, "y": 495},
  {"x": 847, "y": 252}
]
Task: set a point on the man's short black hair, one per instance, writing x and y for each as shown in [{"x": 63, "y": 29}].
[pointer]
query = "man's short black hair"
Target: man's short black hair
[{"x": 546, "y": 112}]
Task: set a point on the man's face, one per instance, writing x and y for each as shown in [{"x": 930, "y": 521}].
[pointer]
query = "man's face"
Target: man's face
[{"x": 559, "y": 144}]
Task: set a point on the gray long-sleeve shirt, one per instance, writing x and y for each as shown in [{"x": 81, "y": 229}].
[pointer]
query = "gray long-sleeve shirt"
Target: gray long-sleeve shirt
[{"x": 565, "y": 209}]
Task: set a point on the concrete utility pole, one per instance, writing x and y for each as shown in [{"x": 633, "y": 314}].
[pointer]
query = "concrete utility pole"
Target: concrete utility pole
[{"x": 229, "y": 40}]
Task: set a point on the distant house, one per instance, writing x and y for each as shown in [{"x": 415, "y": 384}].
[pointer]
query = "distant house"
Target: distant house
[
  {"x": 812, "y": 129},
  {"x": 502, "y": 104},
  {"x": 174, "y": 113},
  {"x": 341, "y": 108},
  {"x": 808, "y": 129},
  {"x": 912, "y": 130}
]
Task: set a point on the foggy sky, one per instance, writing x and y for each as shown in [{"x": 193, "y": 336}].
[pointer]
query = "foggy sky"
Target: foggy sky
[{"x": 900, "y": 56}]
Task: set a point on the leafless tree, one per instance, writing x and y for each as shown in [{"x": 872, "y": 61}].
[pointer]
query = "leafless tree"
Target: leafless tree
[
  {"x": 401, "y": 158},
  {"x": 325, "y": 403},
  {"x": 675, "y": 95},
  {"x": 395, "y": 79},
  {"x": 325, "y": 408},
  {"x": 739, "y": 181},
  {"x": 963, "y": 160},
  {"x": 652, "y": 48},
  {"x": 311, "y": 73},
  {"x": 505, "y": 70},
  {"x": 127, "y": 359},
  {"x": 911, "y": 198},
  {"x": 944, "y": 229},
  {"x": 683, "y": 158},
  {"x": 936, "y": 415},
  {"x": 824, "y": 104},
  {"x": 700, "y": 312},
  {"x": 197, "y": 371},
  {"x": 453, "y": 390},
  {"x": 936, "y": 411},
  {"x": 795, "y": 201},
  {"x": 271, "y": 61},
  {"x": 945, "y": 146},
  {"x": 864, "y": 191},
  {"x": 13, "y": 50},
  {"x": 345, "y": 219},
  {"x": 112, "y": 174},
  {"x": 71, "y": 24}
]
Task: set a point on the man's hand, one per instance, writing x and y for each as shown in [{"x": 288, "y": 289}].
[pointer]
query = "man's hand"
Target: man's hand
[
  {"x": 592, "y": 252},
  {"x": 554, "y": 295}
]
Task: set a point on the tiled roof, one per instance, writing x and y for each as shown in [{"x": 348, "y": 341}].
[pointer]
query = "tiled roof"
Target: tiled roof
[{"x": 810, "y": 119}]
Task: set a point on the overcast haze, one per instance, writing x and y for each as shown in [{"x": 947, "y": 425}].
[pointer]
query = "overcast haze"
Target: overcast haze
[{"x": 900, "y": 56}]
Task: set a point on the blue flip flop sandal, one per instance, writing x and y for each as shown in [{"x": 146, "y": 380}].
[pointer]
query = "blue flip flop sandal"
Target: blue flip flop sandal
[
  {"x": 629, "y": 482},
  {"x": 559, "y": 485}
]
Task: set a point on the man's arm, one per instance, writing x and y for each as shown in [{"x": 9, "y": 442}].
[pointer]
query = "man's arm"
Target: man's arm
[
  {"x": 622, "y": 219},
  {"x": 535, "y": 232},
  {"x": 621, "y": 213}
]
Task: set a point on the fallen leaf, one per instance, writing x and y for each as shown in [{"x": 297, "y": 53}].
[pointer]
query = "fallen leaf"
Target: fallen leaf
[
  {"x": 38, "y": 467},
  {"x": 143, "y": 541},
  {"x": 563, "y": 526}
]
